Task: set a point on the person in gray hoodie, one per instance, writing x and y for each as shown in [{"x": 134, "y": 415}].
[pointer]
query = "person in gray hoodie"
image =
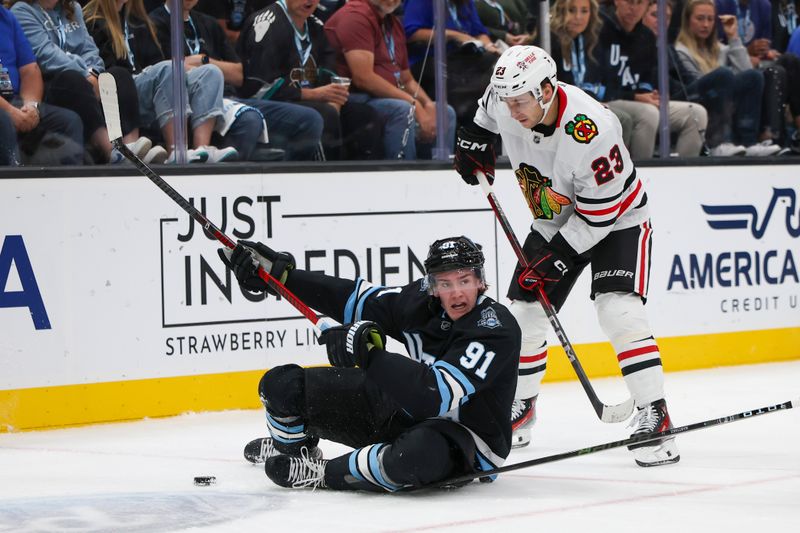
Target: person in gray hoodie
[{"x": 70, "y": 64}]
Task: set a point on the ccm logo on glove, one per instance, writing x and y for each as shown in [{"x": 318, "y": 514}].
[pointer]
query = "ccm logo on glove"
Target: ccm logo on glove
[{"x": 471, "y": 145}]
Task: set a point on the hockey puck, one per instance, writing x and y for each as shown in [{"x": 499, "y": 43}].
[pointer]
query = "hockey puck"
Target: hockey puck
[{"x": 205, "y": 480}]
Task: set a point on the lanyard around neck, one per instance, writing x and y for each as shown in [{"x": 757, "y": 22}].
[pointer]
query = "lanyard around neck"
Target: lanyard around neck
[
  {"x": 578, "y": 60},
  {"x": 454, "y": 14},
  {"x": 744, "y": 20},
  {"x": 194, "y": 46},
  {"x": 128, "y": 48},
  {"x": 59, "y": 29},
  {"x": 388, "y": 38},
  {"x": 302, "y": 41},
  {"x": 790, "y": 18}
]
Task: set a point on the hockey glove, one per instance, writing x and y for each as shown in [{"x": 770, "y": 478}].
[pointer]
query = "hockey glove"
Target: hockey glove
[
  {"x": 247, "y": 256},
  {"x": 349, "y": 345},
  {"x": 475, "y": 152},
  {"x": 548, "y": 265}
]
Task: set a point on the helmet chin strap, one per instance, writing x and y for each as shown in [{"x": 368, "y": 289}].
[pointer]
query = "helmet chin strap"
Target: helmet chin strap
[{"x": 539, "y": 95}]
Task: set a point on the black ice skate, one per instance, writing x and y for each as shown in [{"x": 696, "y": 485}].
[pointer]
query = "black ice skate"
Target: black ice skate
[
  {"x": 259, "y": 450},
  {"x": 653, "y": 418},
  {"x": 293, "y": 472},
  {"x": 523, "y": 416}
]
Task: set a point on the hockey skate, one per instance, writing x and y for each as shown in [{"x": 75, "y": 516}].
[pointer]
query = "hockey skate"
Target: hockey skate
[
  {"x": 523, "y": 416},
  {"x": 259, "y": 450},
  {"x": 653, "y": 418},
  {"x": 296, "y": 472}
]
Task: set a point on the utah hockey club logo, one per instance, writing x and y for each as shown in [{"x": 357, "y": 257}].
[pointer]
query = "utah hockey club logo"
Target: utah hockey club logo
[
  {"x": 542, "y": 200},
  {"x": 489, "y": 319},
  {"x": 583, "y": 129}
]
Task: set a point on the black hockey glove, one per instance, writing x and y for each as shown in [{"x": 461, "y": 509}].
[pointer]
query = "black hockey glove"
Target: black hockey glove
[
  {"x": 245, "y": 259},
  {"x": 548, "y": 265},
  {"x": 349, "y": 345},
  {"x": 475, "y": 152}
]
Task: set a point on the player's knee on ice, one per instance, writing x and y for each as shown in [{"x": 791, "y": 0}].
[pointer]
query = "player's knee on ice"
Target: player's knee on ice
[
  {"x": 282, "y": 390},
  {"x": 418, "y": 457}
]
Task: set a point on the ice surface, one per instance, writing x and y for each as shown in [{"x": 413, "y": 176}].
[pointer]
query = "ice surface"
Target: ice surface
[{"x": 138, "y": 476}]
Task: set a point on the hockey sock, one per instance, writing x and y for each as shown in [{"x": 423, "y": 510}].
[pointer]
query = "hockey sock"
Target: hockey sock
[
  {"x": 623, "y": 320},
  {"x": 533, "y": 355},
  {"x": 289, "y": 434}
]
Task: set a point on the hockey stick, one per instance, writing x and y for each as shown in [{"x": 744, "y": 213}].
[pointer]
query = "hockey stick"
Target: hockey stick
[
  {"x": 617, "y": 444},
  {"x": 108, "y": 97},
  {"x": 606, "y": 413}
]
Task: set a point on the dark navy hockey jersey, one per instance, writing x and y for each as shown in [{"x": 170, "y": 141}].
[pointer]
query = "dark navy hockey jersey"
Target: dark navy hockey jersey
[{"x": 463, "y": 370}]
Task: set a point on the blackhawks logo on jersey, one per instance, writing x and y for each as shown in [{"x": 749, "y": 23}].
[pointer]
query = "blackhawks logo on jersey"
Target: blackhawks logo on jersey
[
  {"x": 537, "y": 189},
  {"x": 583, "y": 129}
]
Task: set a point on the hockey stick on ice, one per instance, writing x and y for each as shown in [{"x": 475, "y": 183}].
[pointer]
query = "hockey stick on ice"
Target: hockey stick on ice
[
  {"x": 619, "y": 443},
  {"x": 606, "y": 413},
  {"x": 108, "y": 97}
]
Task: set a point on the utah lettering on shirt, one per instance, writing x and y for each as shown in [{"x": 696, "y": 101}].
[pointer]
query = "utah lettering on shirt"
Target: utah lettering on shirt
[{"x": 624, "y": 72}]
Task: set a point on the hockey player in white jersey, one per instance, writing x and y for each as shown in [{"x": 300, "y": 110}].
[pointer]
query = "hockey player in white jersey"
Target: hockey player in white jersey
[{"x": 589, "y": 208}]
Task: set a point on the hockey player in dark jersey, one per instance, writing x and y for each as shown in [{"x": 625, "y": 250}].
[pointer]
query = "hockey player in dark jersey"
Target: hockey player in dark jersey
[
  {"x": 414, "y": 420},
  {"x": 589, "y": 208}
]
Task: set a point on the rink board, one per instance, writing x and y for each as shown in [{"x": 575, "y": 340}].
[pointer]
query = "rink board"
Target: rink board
[{"x": 113, "y": 306}]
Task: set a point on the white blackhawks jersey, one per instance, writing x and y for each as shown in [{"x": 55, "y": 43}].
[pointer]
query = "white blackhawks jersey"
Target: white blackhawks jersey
[{"x": 579, "y": 179}]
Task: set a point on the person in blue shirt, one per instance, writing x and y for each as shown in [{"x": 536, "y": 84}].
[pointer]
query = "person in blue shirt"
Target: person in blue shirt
[
  {"x": 470, "y": 52},
  {"x": 24, "y": 119},
  {"x": 781, "y": 71}
]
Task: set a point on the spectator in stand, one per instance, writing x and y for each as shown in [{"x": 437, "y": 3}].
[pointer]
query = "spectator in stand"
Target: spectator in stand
[
  {"x": 678, "y": 89},
  {"x": 295, "y": 129},
  {"x": 471, "y": 55},
  {"x": 126, "y": 39},
  {"x": 705, "y": 58},
  {"x": 231, "y": 14},
  {"x": 304, "y": 74},
  {"x": 508, "y": 21},
  {"x": 23, "y": 115},
  {"x": 786, "y": 40},
  {"x": 780, "y": 72},
  {"x": 70, "y": 65},
  {"x": 628, "y": 49},
  {"x": 785, "y": 25},
  {"x": 574, "y": 34},
  {"x": 371, "y": 49},
  {"x": 788, "y": 15}
]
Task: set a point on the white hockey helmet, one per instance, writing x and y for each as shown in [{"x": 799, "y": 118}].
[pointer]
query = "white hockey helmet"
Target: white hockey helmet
[{"x": 523, "y": 69}]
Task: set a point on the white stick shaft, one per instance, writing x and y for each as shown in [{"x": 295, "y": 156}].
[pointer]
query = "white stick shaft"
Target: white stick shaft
[{"x": 487, "y": 189}]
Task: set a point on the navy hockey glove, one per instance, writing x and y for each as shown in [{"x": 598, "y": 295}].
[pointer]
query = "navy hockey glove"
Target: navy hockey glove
[
  {"x": 475, "y": 152},
  {"x": 245, "y": 259},
  {"x": 349, "y": 345},
  {"x": 548, "y": 265}
]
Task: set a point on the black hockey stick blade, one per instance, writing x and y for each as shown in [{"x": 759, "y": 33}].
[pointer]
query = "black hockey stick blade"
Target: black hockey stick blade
[
  {"x": 108, "y": 98},
  {"x": 606, "y": 413},
  {"x": 459, "y": 480}
]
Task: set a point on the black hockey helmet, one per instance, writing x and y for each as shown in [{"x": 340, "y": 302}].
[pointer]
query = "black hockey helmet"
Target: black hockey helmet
[{"x": 453, "y": 253}]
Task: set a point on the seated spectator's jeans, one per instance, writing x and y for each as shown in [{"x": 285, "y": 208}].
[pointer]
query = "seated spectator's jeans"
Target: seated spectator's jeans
[
  {"x": 290, "y": 127},
  {"x": 206, "y": 84},
  {"x": 733, "y": 102},
  {"x": 396, "y": 113},
  {"x": 156, "y": 103}
]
